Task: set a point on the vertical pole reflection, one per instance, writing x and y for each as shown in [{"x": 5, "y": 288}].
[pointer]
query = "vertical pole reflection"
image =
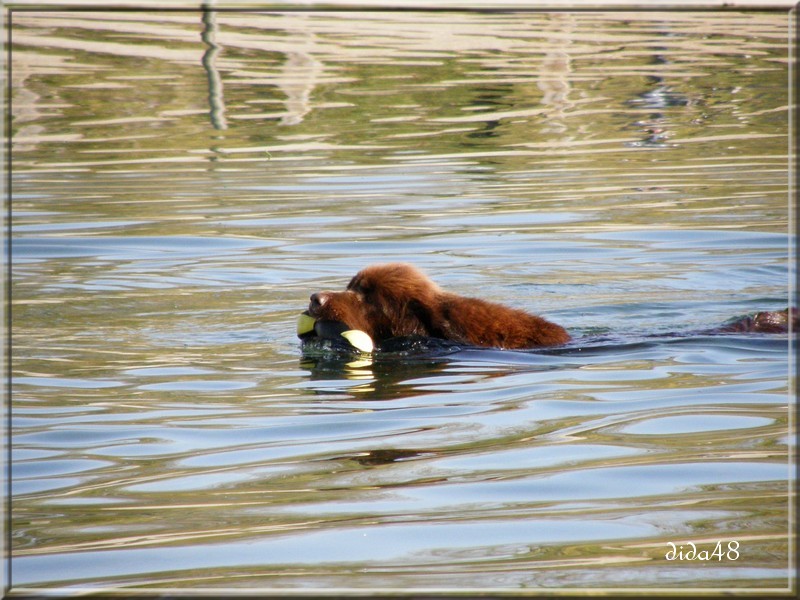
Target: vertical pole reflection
[{"x": 215, "y": 97}]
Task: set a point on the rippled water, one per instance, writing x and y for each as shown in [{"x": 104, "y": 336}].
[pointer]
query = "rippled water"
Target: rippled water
[{"x": 183, "y": 181}]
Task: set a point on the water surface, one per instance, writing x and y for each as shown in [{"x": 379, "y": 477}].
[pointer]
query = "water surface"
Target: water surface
[{"x": 183, "y": 181}]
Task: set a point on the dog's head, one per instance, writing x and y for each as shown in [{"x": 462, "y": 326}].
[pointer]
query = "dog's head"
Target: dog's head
[{"x": 382, "y": 301}]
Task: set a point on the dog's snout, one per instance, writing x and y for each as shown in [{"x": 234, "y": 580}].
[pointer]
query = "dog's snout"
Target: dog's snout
[{"x": 318, "y": 300}]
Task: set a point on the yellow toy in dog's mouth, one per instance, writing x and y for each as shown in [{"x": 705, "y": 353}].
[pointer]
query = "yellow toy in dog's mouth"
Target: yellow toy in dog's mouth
[
  {"x": 359, "y": 339},
  {"x": 305, "y": 324},
  {"x": 308, "y": 326}
]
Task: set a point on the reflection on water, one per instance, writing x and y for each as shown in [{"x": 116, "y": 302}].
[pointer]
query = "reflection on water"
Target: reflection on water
[{"x": 182, "y": 181}]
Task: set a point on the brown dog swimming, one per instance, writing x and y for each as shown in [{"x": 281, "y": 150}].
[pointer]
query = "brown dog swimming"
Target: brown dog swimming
[
  {"x": 392, "y": 300},
  {"x": 396, "y": 299}
]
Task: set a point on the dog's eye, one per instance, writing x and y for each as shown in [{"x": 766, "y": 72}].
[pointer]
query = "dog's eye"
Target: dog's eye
[{"x": 359, "y": 287}]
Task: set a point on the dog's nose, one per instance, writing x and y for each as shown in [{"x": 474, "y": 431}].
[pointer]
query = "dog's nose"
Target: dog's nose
[{"x": 318, "y": 300}]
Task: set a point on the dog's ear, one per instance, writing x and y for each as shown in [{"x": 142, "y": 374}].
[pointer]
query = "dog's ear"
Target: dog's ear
[
  {"x": 421, "y": 316},
  {"x": 433, "y": 322},
  {"x": 405, "y": 317},
  {"x": 440, "y": 321}
]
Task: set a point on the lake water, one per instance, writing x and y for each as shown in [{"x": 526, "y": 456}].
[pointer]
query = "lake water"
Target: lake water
[{"x": 183, "y": 181}]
